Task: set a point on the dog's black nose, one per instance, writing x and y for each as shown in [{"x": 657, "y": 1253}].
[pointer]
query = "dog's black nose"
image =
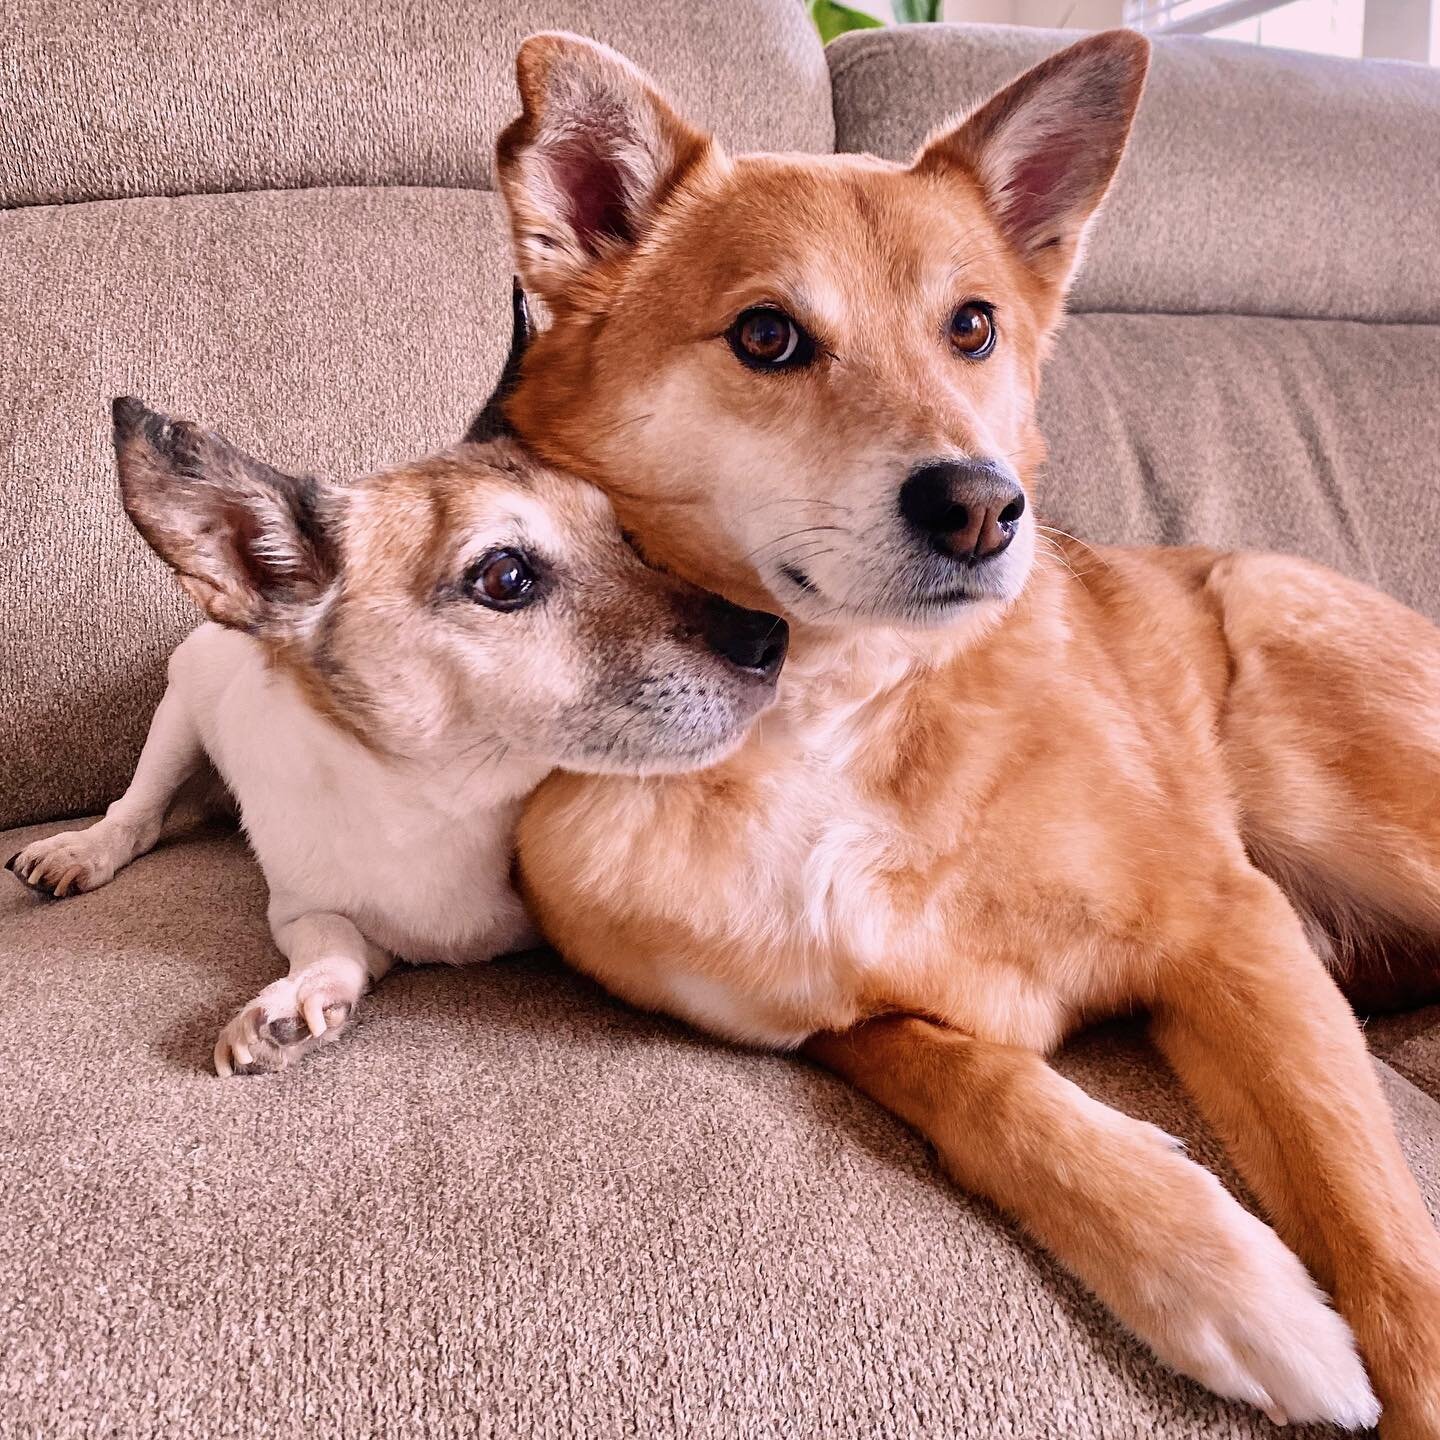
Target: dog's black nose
[
  {"x": 967, "y": 509},
  {"x": 749, "y": 639}
]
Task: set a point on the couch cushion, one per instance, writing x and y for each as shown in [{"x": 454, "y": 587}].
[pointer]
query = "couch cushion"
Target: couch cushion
[
  {"x": 1259, "y": 181},
  {"x": 504, "y": 1205},
  {"x": 334, "y": 330},
  {"x": 206, "y": 95},
  {"x": 1316, "y": 437},
  {"x": 1410, "y": 1044}
]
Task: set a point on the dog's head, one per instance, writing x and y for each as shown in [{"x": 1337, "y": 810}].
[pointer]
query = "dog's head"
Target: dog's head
[
  {"x": 473, "y": 601},
  {"x": 807, "y": 381}
]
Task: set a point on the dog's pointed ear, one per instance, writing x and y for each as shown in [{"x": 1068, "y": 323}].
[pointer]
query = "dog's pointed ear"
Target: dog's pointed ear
[
  {"x": 592, "y": 157},
  {"x": 250, "y": 544},
  {"x": 490, "y": 423},
  {"x": 1045, "y": 148}
]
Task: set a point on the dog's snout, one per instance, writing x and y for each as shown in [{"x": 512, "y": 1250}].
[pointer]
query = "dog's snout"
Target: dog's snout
[
  {"x": 967, "y": 509},
  {"x": 749, "y": 639}
]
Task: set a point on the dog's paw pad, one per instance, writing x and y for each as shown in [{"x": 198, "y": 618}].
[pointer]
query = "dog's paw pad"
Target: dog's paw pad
[
  {"x": 285, "y": 1030},
  {"x": 283, "y": 1024}
]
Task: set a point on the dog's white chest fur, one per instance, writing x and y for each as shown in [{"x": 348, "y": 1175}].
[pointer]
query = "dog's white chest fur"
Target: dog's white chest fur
[{"x": 418, "y": 859}]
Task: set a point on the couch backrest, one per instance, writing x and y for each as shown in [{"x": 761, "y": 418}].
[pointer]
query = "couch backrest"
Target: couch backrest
[
  {"x": 281, "y": 223},
  {"x": 1253, "y": 356},
  {"x": 276, "y": 220}
]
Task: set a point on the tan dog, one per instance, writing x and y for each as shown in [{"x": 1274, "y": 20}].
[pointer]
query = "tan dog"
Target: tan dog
[{"x": 996, "y": 793}]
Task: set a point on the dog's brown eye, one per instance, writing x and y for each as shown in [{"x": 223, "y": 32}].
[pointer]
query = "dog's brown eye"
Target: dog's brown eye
[
  {"x": 972, "y": 330},
  {"x": 503, "y": 580},
  {"x": 765, "y": 338}
]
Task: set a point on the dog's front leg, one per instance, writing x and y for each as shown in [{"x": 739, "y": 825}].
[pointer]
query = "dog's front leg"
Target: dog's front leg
[
  {"x": 1208, "y": 1286},
  {"x": 1262, "y": 1037},
  {"x": 331, "y": 966}
]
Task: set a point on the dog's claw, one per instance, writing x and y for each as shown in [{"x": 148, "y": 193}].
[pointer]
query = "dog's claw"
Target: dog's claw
[
  {"x": 1272, "y": 1412},
  {"x": 70, "y": 863},
  {"x": 287, "y": 1020},
  {"x": 314, "y": 1011},
  {"x": 23, "y": 874}
]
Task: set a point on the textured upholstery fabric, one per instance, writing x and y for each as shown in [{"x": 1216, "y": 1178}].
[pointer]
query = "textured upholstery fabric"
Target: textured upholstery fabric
[
  {"x": 182, "y": 96},
  {"x": 327, "y": 330},
  {"x": 1317, "y": 437},
  {"x": 1411, "y": 1045},
  {"x": 506, "y": 1206},
  {"x": 503, "y": 1206},
  {"x": 1259, "y": 182}
]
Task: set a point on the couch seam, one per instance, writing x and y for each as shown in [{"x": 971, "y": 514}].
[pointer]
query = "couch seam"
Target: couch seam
[
  {"x": 1427, "y": 324},
  {"x": 246, "y": 190},
  {"x": 1073, "y": 313}
]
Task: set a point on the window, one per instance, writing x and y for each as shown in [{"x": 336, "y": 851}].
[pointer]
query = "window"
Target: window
[{"x": 1381, "y": 29}]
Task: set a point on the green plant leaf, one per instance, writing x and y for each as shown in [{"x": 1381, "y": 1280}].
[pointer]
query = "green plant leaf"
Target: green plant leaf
[
  {"x": 832, "y": 19},
  {"x": 916, "y": 12}
]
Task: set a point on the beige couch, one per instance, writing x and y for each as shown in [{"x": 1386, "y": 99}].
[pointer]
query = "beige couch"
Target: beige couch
[{"x": 507, "y": 1206}]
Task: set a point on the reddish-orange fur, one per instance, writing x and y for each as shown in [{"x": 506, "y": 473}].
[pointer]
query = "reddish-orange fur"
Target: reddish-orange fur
[{"x": 1031, "y": 818}]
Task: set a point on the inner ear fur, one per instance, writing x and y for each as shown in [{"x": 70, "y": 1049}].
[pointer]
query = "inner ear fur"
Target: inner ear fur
[
  {"x": 595, "y": 152},
  {"x": 249, "y": 543},
  {"x": 1045, "y": 149}
]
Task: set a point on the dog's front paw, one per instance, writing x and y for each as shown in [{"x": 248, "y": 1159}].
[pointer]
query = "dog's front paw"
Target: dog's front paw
[
  {"x": 66, "y": 864},
  {"x": 287, "y": 1020},
  {"x": 1253, "y": 1326}
]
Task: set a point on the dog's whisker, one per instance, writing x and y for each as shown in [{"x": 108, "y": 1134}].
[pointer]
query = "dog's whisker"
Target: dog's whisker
[
  {"x": 620, "y": 733},
  {"x": 802, "y": 555},
  {"x": 1051, "y": 548},
  {"x": 496, "y": 756},
  {"x": 793, "y": 534},
  {"x": 804, "y": 500},
  {"x": 465, "y": 752},
  {"x": 616, "y": 427},
  {"x": 1051, "y": 530},
  {"x": 632, "y": 694}
]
